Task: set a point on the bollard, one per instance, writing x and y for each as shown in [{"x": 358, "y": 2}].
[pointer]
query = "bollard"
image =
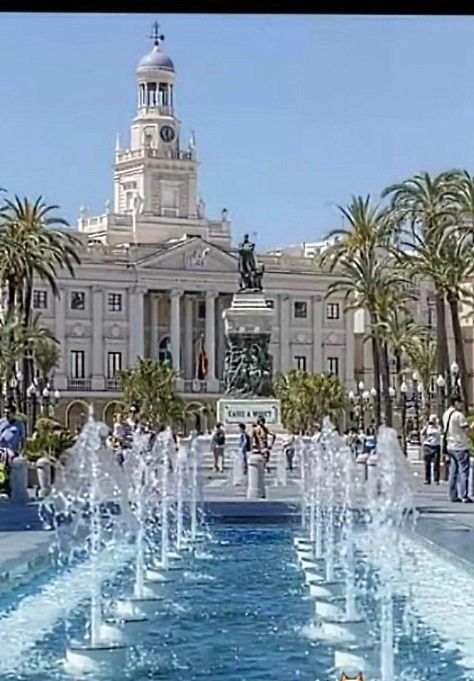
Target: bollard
[
  {"x": 43, "y": 466},
  {"x": 19, "y": 480},
  {"x": 471, "y": 478},
  {"x": 256, "y": 477},
  {"x": 372, "y": 480}
]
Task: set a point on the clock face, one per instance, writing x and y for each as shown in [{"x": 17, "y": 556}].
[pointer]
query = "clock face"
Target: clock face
[{"x": 167, "y": 133}]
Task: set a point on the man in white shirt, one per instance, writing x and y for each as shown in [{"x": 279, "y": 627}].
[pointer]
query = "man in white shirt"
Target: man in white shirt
[{"x": 456, "y": 430}]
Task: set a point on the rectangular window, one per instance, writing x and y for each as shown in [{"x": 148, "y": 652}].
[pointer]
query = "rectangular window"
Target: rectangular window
[
  {"x": 114, "y": 301},
  {"x": 333, "y": 365},
  {"x": 300, "y": 362},
  {"x": 201, "y": 309},
  {"x": 78, "y": 300},
  {"x": 332, "y": 311},
  {"x": 300, "y": 310},
  {"x": 114, "y": 364},
  {"x": 40, "y": 300},
  {"x": 77, "y": 368}
]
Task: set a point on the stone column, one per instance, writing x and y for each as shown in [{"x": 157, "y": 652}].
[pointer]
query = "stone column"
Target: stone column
[
  {"x": 60, "y": 375},
  {"x": 318, "y": 336},
  {"x": 188, "y": 336},
  {"x": 210, "y": 338},
  {"x": 349, "y": 350},
  {"x": 154, "y": 322},
  {"x": 136, "y": 325},
  {"x": 98, "y": 378},
  {"x": 285, "y": 361},
  {"x": 176, "y": 328}
]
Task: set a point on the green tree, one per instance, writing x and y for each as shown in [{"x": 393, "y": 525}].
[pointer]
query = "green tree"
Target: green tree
[
  {"x": 45, "y": 358},
  {"x": 306, "y": 398},
  {"x": 422, "y": 209},
  {"x": 363, "y": 271},
  {"x": 32, "y": 246},
  {"x": 421, "y": 353},
  {"x": 150, "y": 385}
]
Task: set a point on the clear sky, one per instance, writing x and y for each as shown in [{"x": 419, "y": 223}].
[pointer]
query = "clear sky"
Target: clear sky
[{"x": 292, "y": 114}]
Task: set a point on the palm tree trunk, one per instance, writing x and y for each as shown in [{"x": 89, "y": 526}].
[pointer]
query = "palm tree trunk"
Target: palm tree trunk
[
  {"x": 376, "y": 362},
  {"x": 459, "y": 349},
  {"x": 442, "y": 353},
  {"x": 385, "y": 366},
  {"x": 27, "y": 364}
]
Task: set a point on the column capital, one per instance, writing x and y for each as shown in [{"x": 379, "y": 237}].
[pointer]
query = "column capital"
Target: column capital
[
  {"x": 176, "y": 293},
  {"x": 139, "y": 290},
  {"x": 211, "y": 294},
  {"x": 96, "y": 288},
  {"x": 318, "y": 297}
]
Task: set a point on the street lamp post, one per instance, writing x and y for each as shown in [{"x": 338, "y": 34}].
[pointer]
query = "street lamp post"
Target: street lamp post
[
  {"x": 417, "y": 392},
  {"x": 455, "y": 381},
  {"x": 403, "y": 400},
  {"x": 49, "y": 401},
  {"x": 32, "y": 398}
]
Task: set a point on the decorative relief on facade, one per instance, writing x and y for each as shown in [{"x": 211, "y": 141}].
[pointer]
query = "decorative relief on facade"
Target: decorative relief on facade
[
  {"x": 115, "y": 331},
  {"x": 197, "y": 259}
]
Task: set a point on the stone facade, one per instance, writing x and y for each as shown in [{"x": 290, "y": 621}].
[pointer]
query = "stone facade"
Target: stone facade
[{"x": 157, "y": 274}]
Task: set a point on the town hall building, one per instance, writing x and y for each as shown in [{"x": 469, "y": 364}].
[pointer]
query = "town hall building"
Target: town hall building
[{"x": 157, "y": 273}]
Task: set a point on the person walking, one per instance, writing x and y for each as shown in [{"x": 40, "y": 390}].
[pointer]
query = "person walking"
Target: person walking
[
  {"x": 244, "y": 446},
  {"x": 218, "y": 446},
  {"x": 289, "y": 449},
  {"x": 431, "y": 443},
  {"x": 456, "y": 444}
]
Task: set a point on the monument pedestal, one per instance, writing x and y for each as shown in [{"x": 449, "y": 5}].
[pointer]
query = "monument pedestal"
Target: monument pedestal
[{"x": 248, "y": 367}]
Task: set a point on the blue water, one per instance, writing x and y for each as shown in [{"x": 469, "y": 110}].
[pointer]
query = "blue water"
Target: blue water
[{"x": 238, "y": 614}]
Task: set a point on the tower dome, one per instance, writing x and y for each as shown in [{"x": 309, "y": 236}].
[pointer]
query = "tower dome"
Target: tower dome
[{"x": 156, "y": 60}]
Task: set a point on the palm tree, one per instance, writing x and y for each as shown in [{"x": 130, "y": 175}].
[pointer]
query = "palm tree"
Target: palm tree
[
  {"x": 422, "y": 356},
  {"x": 14, "y": 338},
  {"x": 307, "y": 398},
  {"x": 150, "y": 386},
  {"x": 45, "y": 358},
  {"x": 363, "y": 271},
  {"x": 422, "y": 209},
  {"x": 31, "y": 245}
]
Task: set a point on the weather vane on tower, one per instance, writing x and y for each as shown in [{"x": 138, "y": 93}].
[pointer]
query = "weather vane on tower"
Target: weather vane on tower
[{"x": 156, "y": 36}]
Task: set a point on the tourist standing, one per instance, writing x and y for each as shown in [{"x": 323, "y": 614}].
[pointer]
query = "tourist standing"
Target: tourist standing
[
  {"x": 261, "y": 436},
  {"x": 12, "y": 437},
  {"x": 289, "y": 449},
  {"x": 370, "y": 441},
  {"x": 244, "y": 446},
  {"x": 217, "y": 446},
  {"x": 456, "y": 443},
  {"x": 431, "y": 443}
]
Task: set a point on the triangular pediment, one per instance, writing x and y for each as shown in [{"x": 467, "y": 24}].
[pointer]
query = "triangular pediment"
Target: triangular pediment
[{"x": 194, "y": 254}]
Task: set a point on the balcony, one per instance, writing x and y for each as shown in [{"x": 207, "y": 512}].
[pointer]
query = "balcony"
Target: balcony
[
  {"x": 194, "y": 386},
  {"x": 112, "y": 385},
  {"x": 79, "y": 384}
]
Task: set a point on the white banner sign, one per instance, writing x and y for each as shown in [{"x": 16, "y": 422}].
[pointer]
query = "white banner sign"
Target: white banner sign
[{"x": 233, "y": 412}]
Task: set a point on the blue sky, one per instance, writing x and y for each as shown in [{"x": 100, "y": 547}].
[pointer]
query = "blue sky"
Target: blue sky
[{"x": 292, "y": 114}]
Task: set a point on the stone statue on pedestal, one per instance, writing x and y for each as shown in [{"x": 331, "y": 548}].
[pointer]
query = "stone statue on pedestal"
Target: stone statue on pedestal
[{"x": 251, "y": 274}]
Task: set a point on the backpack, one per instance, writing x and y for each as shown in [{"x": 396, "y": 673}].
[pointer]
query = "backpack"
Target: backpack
[{"x": 219, "y": 438}]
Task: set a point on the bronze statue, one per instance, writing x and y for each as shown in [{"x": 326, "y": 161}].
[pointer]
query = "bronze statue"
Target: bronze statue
[{"x": 250, "y": 274}]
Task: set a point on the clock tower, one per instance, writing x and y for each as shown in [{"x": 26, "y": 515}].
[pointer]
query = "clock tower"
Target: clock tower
[{"x": 155, "y": 175}]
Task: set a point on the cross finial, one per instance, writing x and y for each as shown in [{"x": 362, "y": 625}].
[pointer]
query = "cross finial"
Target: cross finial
[{"x": 156, "y": 36}]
